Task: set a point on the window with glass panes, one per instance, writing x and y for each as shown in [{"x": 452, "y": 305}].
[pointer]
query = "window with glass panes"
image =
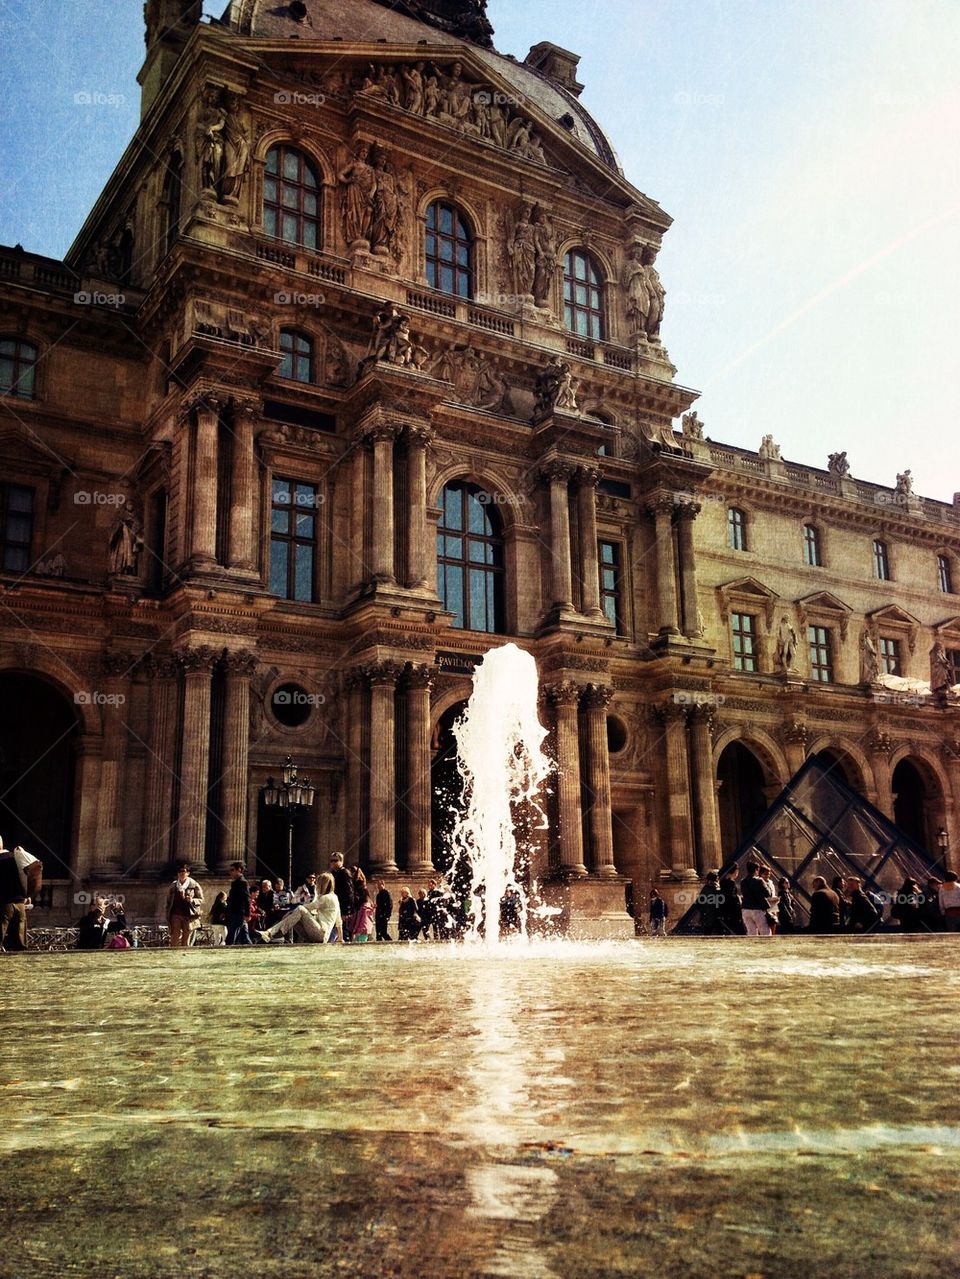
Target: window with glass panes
[
  {"x": 297, "y": 362},
  {"x": 811, "y": 546},
  {"x": 291, "y": 198},
  {"x": 821, "y": 658},
  {"x": 743, "y": 633},
  {"x": 610, "y": 583},
  {"x": 944, "y": 575},
  {"x": 449, "y": 251},
  {"x": 953, "y": 660},
  {"x": 17, "y": 368},
  {"x": 470, "y": 559},
  {"x": 736, "y": 529},
  {"x": 582, "y": 295},
  {"x": 16, "y": 527},
  {"x": 293, "y": 539},
  {"x": 881, "y": 561},
  {"x": 889, "y": 656}
]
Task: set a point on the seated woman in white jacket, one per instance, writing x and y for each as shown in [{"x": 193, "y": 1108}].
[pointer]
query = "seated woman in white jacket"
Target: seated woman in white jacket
[{"x": 314, "y": 921}]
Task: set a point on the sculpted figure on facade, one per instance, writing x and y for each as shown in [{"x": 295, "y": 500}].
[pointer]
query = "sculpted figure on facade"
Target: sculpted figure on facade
[
  {"x": 786, "y": 645},
  {"x": 236, "y": 151},
  {"x": 411, "y": 76},
  {"x": 387, "y": 210},
  {"x": 904, "y": 484},
  {"x": 359, "y": 180},
  {"x": 941, "y": 674},
  {"x": 555, "y": 388},
  {"x": 126, "y": 545},
  {"x": 769, "y": 449},
  {"x": 645, "y": 293},
  {"x": 522, "y": 251},
  {"x": 211, "y": 122},
  {"x": 545, "y": 255},
  {"x": 392, "y": 342},
  {"x": 837, "y": 464},
  {"x": 692, "y": 426},
  {"x": 869, "y": 660},
  {"x": 475, "y": 379}
]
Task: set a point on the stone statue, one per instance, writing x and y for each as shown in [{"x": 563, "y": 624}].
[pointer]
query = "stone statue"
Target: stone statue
[
  {"x": 769, "y": 449},
  {"x": 475, "y": 380},
  {"x": 52, "y": 566},
  {"x": 837, "y": 464},
  {"x": 786, "y": 645},
  {"x": 904, "y": 484},
  {"x": 391, "y": 341},
  {"x": 386, "y": 219},
  {"x": 555, "y": 389},
  {"x": 869, "y": 661},
  {"x": 360, "y": 182},
  {"x": 412, "y": 77},
  {"x": 941, "y": 674},
  {"x": 456, "y": 99},
  {"x": 236, "y": 151},
  {"x": 522, "y": 251},
  {"x": 692, "y": 426},
  {"x": 431, "y": 97},
  {"x": 645, "y": 293},
  {"x": 126, "y": 544},
  {"x": 211, "y": 122},
  {"x": 545, "y": 256}
]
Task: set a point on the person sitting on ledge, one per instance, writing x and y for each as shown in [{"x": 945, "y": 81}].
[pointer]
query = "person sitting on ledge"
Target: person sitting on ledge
[{"x": 315, "y": 922}]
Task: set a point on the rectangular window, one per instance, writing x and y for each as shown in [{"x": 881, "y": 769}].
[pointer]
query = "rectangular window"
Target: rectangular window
[
  {"x": 944, "y": 576},
  {"x": 953, "y": 658},
  {"x": 881, "y": 562},
  {"x": 736, "y": 529},
  {"x": 610, "y": 602},
  {"x": 743, "y": 629},
  {"x": 16, "y": 527},
  {"x": 811, "y": 547},
  {"x": 293, "y": 540},
  {"x": 890, "y": 656},
  {"x": 821, "y": 666}
]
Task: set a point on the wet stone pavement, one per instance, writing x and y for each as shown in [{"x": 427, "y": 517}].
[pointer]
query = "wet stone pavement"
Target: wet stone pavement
[{"x": 760, "y": 1107}]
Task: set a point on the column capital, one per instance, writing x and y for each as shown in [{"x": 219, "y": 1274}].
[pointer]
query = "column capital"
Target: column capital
[
  {"x": 386, "y": 672},
  {"x": 200, "y": 660},
  {"x": 418, "y": 676},
  {"x": 687, "y": 510},
  {"x": 376, "y": 432},
  {"x": 671, "y": 711},
  {"x": 119, "y": 665},
  {"x": 203, "y": 402},
  {"x": 556, "y": 469},
  {"x": 661, "y": 504},
  {"x": 564, "y": 693},
  {"x": 419, "y": 434},
  {"x": 158, "y": 666},
  {"x": 702, "y": 713},
  {"x": 242, "y": 661},
  {"x": 244, "y": 407},
  {"x": 597, "y": 696},
  {"x": 588, "y": 476}
]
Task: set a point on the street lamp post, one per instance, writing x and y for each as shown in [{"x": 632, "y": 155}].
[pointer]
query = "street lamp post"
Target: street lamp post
[
  {"x": 295, "y": 794},
  {"x": 943, "y": 846}
]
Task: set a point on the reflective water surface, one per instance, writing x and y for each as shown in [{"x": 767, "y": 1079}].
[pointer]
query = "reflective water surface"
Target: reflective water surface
[{"x": 764, "y": 1107}]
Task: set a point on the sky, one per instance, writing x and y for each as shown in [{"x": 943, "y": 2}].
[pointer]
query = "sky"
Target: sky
[{"x": 807, "y": 150}]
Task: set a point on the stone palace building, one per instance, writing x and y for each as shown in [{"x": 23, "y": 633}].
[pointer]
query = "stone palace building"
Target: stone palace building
[{"x": 355, "y": 371}]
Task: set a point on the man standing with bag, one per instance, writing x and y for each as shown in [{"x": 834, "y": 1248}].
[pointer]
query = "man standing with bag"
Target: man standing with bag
[
  {"x": 21, "y": 878},
  {"x": 184, "y": 906}
]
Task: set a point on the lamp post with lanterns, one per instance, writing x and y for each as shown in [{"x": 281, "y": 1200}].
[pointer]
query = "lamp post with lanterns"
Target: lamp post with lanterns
[
  {"x": 294, "y": 795},
  {"x": 943, "y": 847}
]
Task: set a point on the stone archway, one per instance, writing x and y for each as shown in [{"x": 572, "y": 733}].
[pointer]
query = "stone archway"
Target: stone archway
[
  {"x": 38, "y": 769},
  {"x": 446, "y": 784},
  {"x": 917, "y": 801},
  {"x": 743, "y": 794}
]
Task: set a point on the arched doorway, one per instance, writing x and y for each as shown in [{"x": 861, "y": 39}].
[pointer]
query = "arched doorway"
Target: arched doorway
[
  {"x": 742, "y": 799},
  {"x": 446, "y": 787},
  {"x": 37, "y": 769},
  {"x": 911, "y": 803}
]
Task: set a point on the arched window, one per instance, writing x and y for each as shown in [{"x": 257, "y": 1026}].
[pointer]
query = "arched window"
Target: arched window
[
  {"x": 470, "y": 558},
  {"x": 18, "y": 362},
  {"x": 291, "y": 198},
  {"x": 297, "y": 363},
  {"x": 449, "y": 248},
  {"x": 736, "y": 529},
  {"x": 172, "y": 200},
  {"x": 583, "y": 295}
]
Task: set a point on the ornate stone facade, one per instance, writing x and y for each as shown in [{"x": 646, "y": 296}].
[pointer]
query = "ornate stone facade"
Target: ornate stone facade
[{"x": 324, "y": 299}]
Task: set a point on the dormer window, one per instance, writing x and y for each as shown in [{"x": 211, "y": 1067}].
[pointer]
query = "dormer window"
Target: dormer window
[{"x": 583, "y": 296}]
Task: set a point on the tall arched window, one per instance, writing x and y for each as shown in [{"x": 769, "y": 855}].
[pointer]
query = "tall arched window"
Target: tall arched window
[
  {"x": 18, "y": 362},
  {"x": 583, "y": 295},
  {"x": 291, "y": 198},
  {"x": 297, "y": 363},
  {"x": 449, "y": 249},
  {"x": 470, "y": 558}
]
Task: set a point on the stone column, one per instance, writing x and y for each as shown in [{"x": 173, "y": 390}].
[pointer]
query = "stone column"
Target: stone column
[
  {"x": 558, "y": 475},
  {"x": 418, "y": 795},
  {"x": 382, "y": 819},
  {"x": 705, "y": 789},
  {"x": 418, "y": 562},
  {"x": 163, "y": 673},
  {"x": 358, "y": 515},
  {"x": 565, "y": 699},
  {"x": 596, "y": 700},
  {"x": 240, "y": 666},
  {"x": 204, "y": 481},
  {"x": 795, "y": 736},
  {"x": 383, "y": 438},
  {"x": 674, "y": 721},
  {"x": 588, "y": 477},
  {"x": 190, "y": 837},
  {"x": 114, "y": 709},
  {"x": 662, "y": 512},
  {"x": 245, "y": 415},
  {"x": 881, "y": 744},
  {"x": 355, "y": 686},
  {"x": 687, "y": 512}
]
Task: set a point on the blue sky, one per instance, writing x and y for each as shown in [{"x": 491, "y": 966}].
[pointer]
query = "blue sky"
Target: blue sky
[{"x": 806, "y": 149}]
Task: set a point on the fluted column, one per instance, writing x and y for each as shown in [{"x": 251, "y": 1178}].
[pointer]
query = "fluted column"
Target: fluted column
[
  {"x": 596, "y": 700},
  {"x": 204, "y": 481},
  {"x": 705, "y": 790},
  {"x": 565, "y": 699},
  {"x": 418, "y": 561},
  {"x": 418, "y": 795},
  {"x": 240, "y": 666},
  {"x": 587, "y": 479},
  {"x": 662, "y": 512},
  {"x": 383, "y": 439},
  {"x": 355, "y": 684},
  {"x": 557, "y": 474},
  {"x": 687, "y": 512},
  {"x": 245, "y": 415},
  {"x": 382, "y": 818},
  {"x": 114, "y": 698},
  {"x": 674, "y": 720},
  {"x": 163, "y": 673},
  {"x": 190, "y": 841},
  {"x": 358, "y": 515}
]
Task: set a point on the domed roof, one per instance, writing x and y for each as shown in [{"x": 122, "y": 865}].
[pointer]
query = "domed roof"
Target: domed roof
[{"x": 368, "y": 21}]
